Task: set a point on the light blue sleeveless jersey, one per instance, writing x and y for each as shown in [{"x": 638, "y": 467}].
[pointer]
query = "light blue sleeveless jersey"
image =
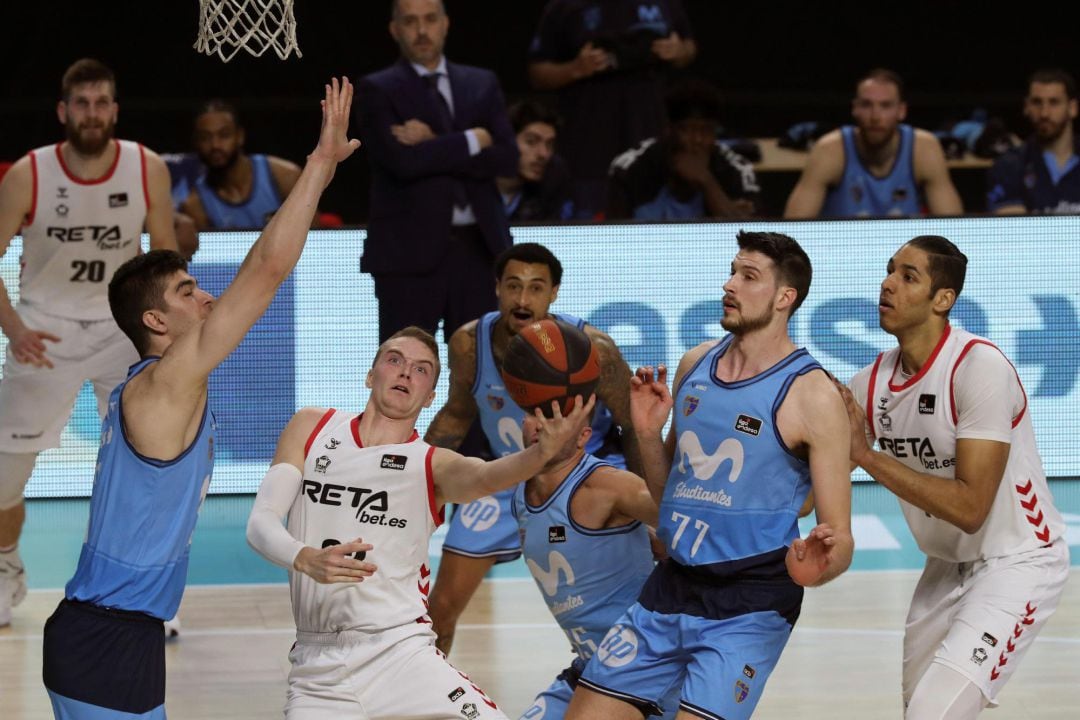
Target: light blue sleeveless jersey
[
  {"x": 499, "y": 414},
  {"x": 587, "y": 577},
  {"x": 142, "y": 516},
  {"x": 735, "y": 490},
  {"x": 861, "y": 194},
  {"x": 253, "y": 212}
]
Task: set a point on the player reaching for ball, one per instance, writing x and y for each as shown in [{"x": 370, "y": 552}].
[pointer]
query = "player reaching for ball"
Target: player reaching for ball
[
  {"x": 758, "y": 424},
  {"x": 482, "y": 533},
  {"x": 363, "y": 495}
]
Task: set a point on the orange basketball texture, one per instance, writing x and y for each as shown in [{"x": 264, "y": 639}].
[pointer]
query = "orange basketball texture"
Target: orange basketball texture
[{"x": 550, "y": 360}]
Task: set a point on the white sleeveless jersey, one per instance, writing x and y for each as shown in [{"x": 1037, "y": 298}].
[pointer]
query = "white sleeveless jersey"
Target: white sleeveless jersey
[
  {"x": 79, "y": 231},
  {"x": 383, "y": 494},
  {"x": 915, "y": 421}
]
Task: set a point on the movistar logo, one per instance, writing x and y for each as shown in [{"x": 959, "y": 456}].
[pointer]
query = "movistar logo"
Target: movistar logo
[
  {"x": 549, "y": 578},
  {"x": 705, "y": 464}
]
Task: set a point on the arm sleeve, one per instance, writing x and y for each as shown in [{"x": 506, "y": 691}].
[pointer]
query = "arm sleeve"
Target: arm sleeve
[
  {"x": 265, "y": 533},
  {"x": 987, "y": 395}
]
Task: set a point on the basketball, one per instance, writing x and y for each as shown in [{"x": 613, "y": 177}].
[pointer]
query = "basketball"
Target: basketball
[{"x": 550, "y": 360}]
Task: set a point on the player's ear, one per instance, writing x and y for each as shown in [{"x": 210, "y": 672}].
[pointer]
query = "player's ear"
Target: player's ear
[
  {"x": 583, "y": 438},
  {"x": 154, "y": 320},
  {"x": 944, "y": 299},
  {"x": 555, "y": 292},
  {"x": 902, "y": 108},
  {"x": 430, "y": 399},
  {"x": 61, "y": 112},
  {"x": 367, "y": 379}
]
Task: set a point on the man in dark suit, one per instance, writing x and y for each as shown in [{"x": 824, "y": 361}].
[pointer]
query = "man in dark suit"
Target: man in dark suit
[{"x": 437, "y": 136}]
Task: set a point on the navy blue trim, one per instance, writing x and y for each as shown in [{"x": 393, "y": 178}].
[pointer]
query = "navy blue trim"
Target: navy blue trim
[
  {"x": 589, "y": 532},
  {"x": 780, "y": 396},
  {"x": 154, "y": 462},
  {"x": 795, "y": 355},
  {"x": 899, "y": 151},
  {"x": 698, "y": 711},
  {"x": 645, "y": 707},
  {"x": 537, "y": 509},
  {"x": 721, "y": 345}
]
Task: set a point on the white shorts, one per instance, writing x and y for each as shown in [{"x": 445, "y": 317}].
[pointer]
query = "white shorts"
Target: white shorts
[
  {"x": 980, "y": 618},
  {"x": 36, "y": 403},
  {"x": 393, "y": 674}
]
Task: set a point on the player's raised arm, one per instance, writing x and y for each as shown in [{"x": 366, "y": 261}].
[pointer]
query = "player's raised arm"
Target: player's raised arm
[
  {"x": 452, "y": 422},
  {"x": 271, "y": 258},
  {"x": 613, "y": 388},
  {"x": 462, "y": 479}
]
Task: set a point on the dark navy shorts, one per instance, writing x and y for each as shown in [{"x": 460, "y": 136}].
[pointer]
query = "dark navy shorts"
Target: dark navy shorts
[{"x": 102, "y": 663}]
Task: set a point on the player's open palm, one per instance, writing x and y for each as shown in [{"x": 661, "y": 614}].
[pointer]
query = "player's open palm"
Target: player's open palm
[
  {"x": 334, "y": 144},
  {"x": 650, "y": 400},
  {"x": 342, "y": 563},
  {"x": 808, "y": 558},
  {"x": 28, "y": 347}
]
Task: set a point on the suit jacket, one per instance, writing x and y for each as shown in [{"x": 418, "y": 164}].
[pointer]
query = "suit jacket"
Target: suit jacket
[{"x": 412, "y": 186}]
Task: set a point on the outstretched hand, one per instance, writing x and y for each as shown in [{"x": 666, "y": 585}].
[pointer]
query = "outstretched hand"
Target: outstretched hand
[
  {"x": 808, "y": 558},
  {"x": 650, "y": 400},
  {"x": 334, "y": 145},
  {"x": 556, "y": 431},
  {"x": 336, "y": 563}
]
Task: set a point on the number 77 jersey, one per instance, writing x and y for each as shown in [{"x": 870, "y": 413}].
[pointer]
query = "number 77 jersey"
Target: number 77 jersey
[
  {"x": 735, "y": 489},
  {"x": 79, "y": 231}
]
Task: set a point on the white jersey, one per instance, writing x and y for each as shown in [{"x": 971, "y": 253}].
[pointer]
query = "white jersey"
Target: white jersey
[
  {"x": 966, "y": 389},
  {"x": 383, "y": 494},
  {"x": 78, "y": 232}
]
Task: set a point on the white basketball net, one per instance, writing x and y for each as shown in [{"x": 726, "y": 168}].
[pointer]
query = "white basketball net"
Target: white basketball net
[{"x": 226, "y": 26}]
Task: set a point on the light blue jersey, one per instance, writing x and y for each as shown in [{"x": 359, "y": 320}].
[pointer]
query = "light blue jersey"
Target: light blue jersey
[
  {"x": 587, "y": 577},
  {"x": 142, "y": 516},
  {"x": 254, "y": 212},
  {"x": 862, "y": 194},
  {"x": 735, "y": 489}
]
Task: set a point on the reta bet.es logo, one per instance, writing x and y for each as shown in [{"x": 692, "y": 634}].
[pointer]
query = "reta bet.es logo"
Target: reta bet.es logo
[
  {"x": 370, "y": 505},
  {"x": 916, "y": 447}
]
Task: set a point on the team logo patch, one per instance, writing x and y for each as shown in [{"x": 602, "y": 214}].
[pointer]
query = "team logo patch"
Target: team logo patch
[
  {"x": 496, "y": 402},
  {"x": 333, "y": 444},
  {"x": 690, "y": 404},
  {"x": 61, "y": 193},
  {"x": 393, "y": 462},
  {"x": 118, "y": 200},
  {"x": 899, "y": 194},
  {"x": 927, "y": 403},
  {"x": 456, "y": 693},
  {"x": 556, "y": 534},
  {"x": 989, "y": 639},
  {"x": 886, "y": 423},
  {"x": 747, "y": 424},
  {"x": 62, "y": 210},
  {"x": 749, "y": 671},
  {"x": 978, "y": 655},
  {"x": 321, "y": 463},
  {"x": 469, "y": 711},
  {"x": 742, "y": 690}
]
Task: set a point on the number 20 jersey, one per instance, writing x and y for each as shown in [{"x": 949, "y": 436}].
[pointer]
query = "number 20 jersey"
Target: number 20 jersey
[
  {"x": 78, "y": 232},
  {"x": 734, "y": 491}
]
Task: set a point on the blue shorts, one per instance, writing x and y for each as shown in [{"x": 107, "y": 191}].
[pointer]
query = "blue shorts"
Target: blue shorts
[
  {"x": 719, "y": 666},
  {"x": 485, "y": 528},
  {"x": 101, "y": 663},
  {"x": 551, "y": 704}
]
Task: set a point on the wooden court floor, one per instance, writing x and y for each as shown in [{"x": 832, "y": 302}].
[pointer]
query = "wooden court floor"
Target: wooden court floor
[{"x": 843, "y": 660}]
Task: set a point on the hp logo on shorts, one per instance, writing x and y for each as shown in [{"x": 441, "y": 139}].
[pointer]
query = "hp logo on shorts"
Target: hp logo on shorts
[
  {"x": 619, "y": 647},
  {"x": 479, "y": 515}
]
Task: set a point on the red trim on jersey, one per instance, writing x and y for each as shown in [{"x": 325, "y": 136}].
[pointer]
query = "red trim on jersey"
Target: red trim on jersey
[
  {"x": 438, "y": 514},
  {"x": 318, "y": 428},
  {"x": 870, "y": 396},
  {"x": 355, "y": 427},
  {"x": 145, "y": 182},
  {"x": 108, "y": 173},
  {"x": 926, "y": 366},
  {"x": 952, "y": 379},
  {"x": 33, "y": 191}
]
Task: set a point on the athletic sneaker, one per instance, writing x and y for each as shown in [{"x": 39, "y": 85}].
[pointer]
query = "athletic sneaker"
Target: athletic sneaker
[{"x": 12, "y": 588}]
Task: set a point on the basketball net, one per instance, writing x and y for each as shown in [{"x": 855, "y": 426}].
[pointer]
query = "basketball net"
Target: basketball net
[{"x": 226, "y": 26}]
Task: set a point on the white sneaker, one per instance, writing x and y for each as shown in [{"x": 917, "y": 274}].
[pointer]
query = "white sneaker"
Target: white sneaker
[
  {"x": 172, "y": 627},
  {"x": 12, "y": 589}
]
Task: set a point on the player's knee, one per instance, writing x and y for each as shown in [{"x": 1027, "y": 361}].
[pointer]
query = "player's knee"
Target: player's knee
[
  {"x": 944, "y": 694},
  {"x": 15, "y": 471}
]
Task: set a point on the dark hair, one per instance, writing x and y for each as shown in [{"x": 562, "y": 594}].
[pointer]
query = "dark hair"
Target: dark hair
[
  {"x": 526, "y": 112},
  {"x": 418, "y": 333},
  {"x": 531, "y": 253},
  {"x": 83, "y": 71},
  {"x": 792, "y": 263},
  {"x": 1054, "y": 75},
  {"x": 693, "y": 99},
  {"x": 883, "y": 75},
  {"x": 139, "y": 285},
  {"x": 394, "y": 12},
  {"x": 218, "y": 105},
  {"x": 948, "y": 265}
]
